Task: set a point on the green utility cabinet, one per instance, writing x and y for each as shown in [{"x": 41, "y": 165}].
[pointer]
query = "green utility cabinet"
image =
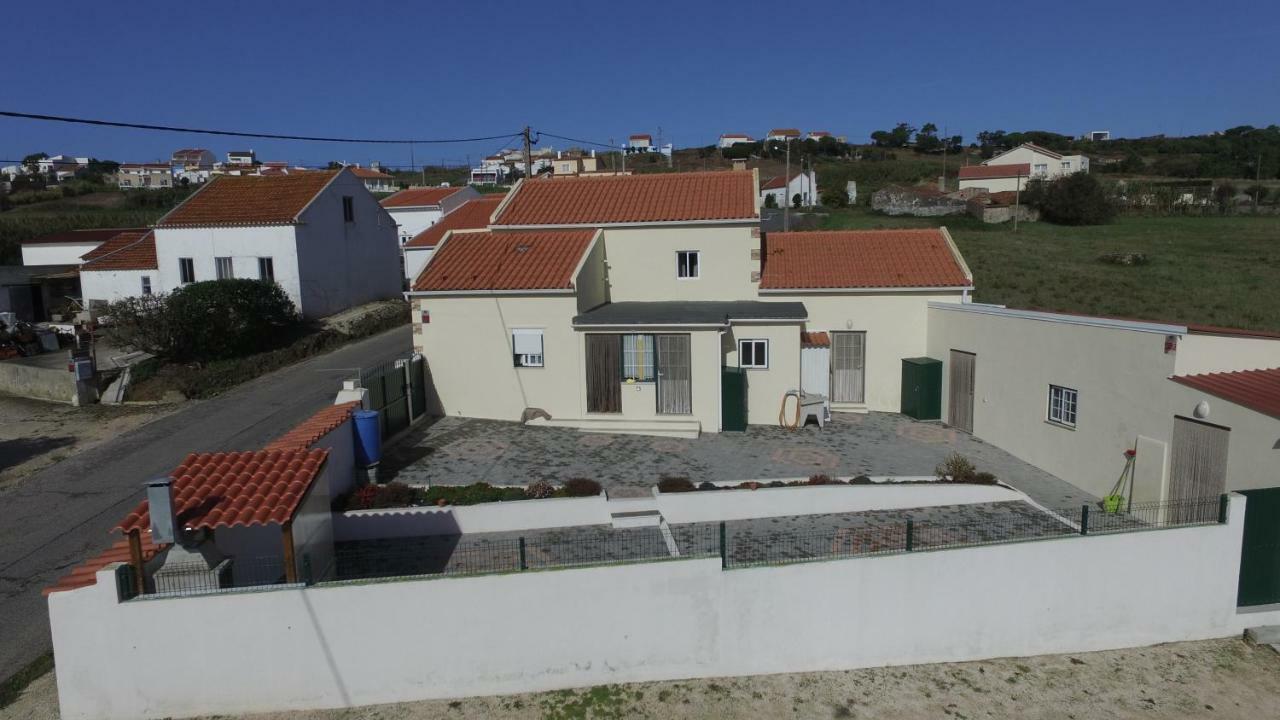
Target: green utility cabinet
[{"x": 922, "y": 388}]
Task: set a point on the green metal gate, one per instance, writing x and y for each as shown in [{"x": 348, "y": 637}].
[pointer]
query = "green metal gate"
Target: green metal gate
[
  {"x": 733, "y": 399},
  {"x": 397, "y": 391},
  {"x": 1260, "y": 551}
]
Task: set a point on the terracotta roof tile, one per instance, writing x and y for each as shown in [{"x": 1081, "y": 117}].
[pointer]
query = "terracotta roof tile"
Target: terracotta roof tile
[
  {"x": 471, "y": 215},
  {"x": 126, "y": 251},
  {"x": 836, "y": 259},
  {"x": 665, "y": 197},
  {"x": 315, "y": 427},
  {"x": 260, "y": 487},
  {"x": 249, "y": 200},
  {"x": 525, "y": 260},
  {"x": 1258, "y": 390},
  {"x": 85, "y": 574},
  {"x": 985, "y": 172},
  {"x": 785, "y": 132},
  {"x": 367, "y": 173},
  {"x": 419, "y": 197}
]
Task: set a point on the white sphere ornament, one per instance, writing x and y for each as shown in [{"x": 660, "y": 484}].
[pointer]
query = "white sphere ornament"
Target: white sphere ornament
[{"x": 1202, "y": 410}]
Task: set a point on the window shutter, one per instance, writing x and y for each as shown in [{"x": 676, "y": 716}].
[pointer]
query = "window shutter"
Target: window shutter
[{"x": 526, "y": 342}]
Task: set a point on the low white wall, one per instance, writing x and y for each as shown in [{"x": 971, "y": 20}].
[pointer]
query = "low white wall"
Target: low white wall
[
  {"x": 316, "y": 647},
  {"x": 486, "y": 517},
  {"x": 718, "y": 505}
]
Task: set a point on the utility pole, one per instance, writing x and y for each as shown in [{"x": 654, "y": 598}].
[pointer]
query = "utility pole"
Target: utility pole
[
  {"x": 943, "y": 181},
  {"x": 612, "y": 161},
  {"x": 1017, "y": 200},
  {"x": 786, "y": 191},
  {"x": 528, "y": 154},
  {"x": 1257, "y": 183}
]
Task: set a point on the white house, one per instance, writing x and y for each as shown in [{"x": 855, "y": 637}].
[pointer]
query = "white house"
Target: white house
[
  {"x": 803, "y": 183},
  {"x": 642, "y": 142},
  {"x": 68, "y": 247},
  {"x": 58, "y": 162},
  {"x": 375, "y": 180},
  {"x": 783, "y": 134},
  {"x": 995, "y": 178},
  {"x": 195, "y": 165},
  {"x": 730, "y": 139},
  {"x": 473, "y": 214},
  {"x": 418, "y": 208},
  {"x": 241, "y": 157},
  {"x": 817, "y": 135},
  {"x": 319, "y": 234},
  {"x": 1011, "y": 169},
  {"x": 124, "y": 266}
]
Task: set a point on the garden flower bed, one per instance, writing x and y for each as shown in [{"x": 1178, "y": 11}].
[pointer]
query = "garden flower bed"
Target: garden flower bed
[{"x": 399, "y": 495}]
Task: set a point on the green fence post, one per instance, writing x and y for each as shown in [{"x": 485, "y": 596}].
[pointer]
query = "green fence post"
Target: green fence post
[
  {"x": 1084, "y": 519},
  {"x": 306, "y": 569},
  {"x": 1223, "y": 502},
  {"x": 524, "y": 560},
  {"x": 911, "y": 534},
  {"x": 724, "y": 554}
]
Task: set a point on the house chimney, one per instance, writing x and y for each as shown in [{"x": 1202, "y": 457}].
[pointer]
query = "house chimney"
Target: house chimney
[
  {"x": 739, "y": 164},
  {"x": 164, "y": 521}
]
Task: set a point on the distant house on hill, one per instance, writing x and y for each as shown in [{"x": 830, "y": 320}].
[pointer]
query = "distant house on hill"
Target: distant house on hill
[
  {"x": 147, "y": 176},
  {"x": 731, "y": 139},
  {"x": 1011, "y": 169},
  {"x": 418, "y": 208},
  {"x": 375, "y": 180},
  {"x": 241, "y": 157},
  {"x": 783, "y": 134},
  {"x": 802, "y": 183},
  {"x": 642, "y": 143}
]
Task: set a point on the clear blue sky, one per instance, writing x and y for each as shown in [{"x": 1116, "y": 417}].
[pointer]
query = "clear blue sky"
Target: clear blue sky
[{"x": 598, "y": 71}]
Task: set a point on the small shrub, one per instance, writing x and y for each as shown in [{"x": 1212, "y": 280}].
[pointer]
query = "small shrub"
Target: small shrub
[
  {"x": 362, "y": 498},
  {"x": 777, "y": 483},
  {"x": 708, "y": 486},
  {"x": 819, "y": 479},
  {"x": 671, "y": 484},
  {"x": 984, "y": 478},
  {"x": 393, "y": 495},
  {"x": 956, "y": 468},
  {"x": 539, "y": 490},
  {"x": 581, "y": 487},
  {"x": 748, "y": 485},
  {"x": 860, "y": 480}
]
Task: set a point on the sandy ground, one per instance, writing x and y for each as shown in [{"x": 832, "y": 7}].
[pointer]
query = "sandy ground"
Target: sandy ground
[
  {"x": 35, "y": 434},
  {"x": 1210, "y": 679}
]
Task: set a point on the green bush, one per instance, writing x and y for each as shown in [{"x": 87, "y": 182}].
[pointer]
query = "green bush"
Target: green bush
[
  {"x": 206, "y": 321},
  {"x": 956, "y": 468},
  {"x": 1076, "y": 199},
  {"x": 581, "y": 487},
  {"x": 669, "y": 484}
]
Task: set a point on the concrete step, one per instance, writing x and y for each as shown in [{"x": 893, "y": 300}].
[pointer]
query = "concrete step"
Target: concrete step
[
  {"x": 636, "y": 518},
  {"x": 1265, "y": 635}
]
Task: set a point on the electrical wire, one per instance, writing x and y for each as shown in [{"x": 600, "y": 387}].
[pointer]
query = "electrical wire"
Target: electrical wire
[
  {"x": 236, "y": 133},
  {"x": 577, "y": 140}
]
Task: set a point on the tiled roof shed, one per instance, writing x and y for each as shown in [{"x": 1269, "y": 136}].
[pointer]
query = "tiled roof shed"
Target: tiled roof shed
[
  {"x": 631, "y": 199},
  {"x": 85, "y": 574},
  {"x": 419, "y": 197},
  {"x": 527, "y": 260},
  {"x": 862, "y": 259},
  {"x": 1258, "y": 390},
  {"x": 126, "y": 251},
  {"x": 249, "y": 200},
  {"x": 212, "y": 490},
  {"x": 471, "y": 215},
  {"x": 315, "y": 427}
]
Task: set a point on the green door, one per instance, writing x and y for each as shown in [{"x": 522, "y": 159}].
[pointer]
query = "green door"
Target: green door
[
  {"x": 733, "y": 399},
  {"x": 922, "y": 388},
  {"x": 1260, "y": 548}
]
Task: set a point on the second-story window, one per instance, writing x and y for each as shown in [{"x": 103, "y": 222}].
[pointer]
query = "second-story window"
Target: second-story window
[
  {"x": 186, "y": 270},
  {"x": 348, "y": 209},
  {"x": 266, "y": 269},
  {"x": 688, "y": 264}
]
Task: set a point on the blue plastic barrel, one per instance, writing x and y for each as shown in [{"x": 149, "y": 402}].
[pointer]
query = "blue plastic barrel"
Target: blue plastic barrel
[{"x": 368, "y": 437}]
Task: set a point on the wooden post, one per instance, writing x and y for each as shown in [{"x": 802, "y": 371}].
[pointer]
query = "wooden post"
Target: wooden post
[
  {"x": 290, "y": 568},
  {"x": 135, "y": 559}
]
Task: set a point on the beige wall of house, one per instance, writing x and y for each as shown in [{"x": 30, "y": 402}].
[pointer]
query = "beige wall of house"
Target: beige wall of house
[
  {"x": 995, "y": 184},
  {"x": 896, "y": 325},
  {"x": 1125, "y": 399},
  {"x": 767, "y": 386},
  {"x": 592, "y": 282},
  {"x": 642, "y": 263},
  {"x": 1198, "y": 353}
]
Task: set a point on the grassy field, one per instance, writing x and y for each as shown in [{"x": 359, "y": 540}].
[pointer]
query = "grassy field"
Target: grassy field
[{"x": 1211, "y": 270}]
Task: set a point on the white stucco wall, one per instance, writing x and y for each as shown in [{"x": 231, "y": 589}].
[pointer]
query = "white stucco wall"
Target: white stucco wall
[
  {"x": 412, "y": 220},
  {"x": 113, "y": 285},
  {"x": 642, "y": 263},
  {"x": 767, "y": 386},
  {"x": 415, "y": 259},
  {"x": 301, "y": 649},
  {"x": 244, "y": 245},
  {"x": 1200, "y": 353},
  {"x": 896, "y": 324},
  {"x": 55, "y": 253}
]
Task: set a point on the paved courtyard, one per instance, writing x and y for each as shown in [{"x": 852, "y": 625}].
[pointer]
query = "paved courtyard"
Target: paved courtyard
[{"x": 460, "y": 451}]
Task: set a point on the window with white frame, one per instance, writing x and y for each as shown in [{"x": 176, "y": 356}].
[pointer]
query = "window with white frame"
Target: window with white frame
[
  {"x": 186, "y": 270},
  {"x": 526, "y": 344},
  {"x": 1041, "y": 169},
  {"x": 266, "y": 269},
  {"x": 223, "y": 269},
  {"x": 146, "y": 284},
  {"x": 753, "y": 353},
  {"x": 688, "y": 264},
  {"x": 1063, "y": 403},
  {"x": 637, "y": 358},
  {"x": 1066, "y": 164}
]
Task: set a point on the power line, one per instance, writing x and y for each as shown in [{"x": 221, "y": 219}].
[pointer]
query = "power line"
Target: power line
[
  {"x": 236, "y": 133},
  {"x": 576, "y": 140}
]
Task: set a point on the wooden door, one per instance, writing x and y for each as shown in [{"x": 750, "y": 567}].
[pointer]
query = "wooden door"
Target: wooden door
[
  {"x": 1198, "y": 469},
  {"x": 848, "y": 367},
  {"x": 675, "y": 377},
  {"x": 960, "y": 394},
  {"x": 604, "y": 367}
]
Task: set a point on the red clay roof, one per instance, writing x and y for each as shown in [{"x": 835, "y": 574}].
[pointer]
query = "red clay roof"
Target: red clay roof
[
  {"x": 1041, "y": 150},
  {"x": 248, "y": 200},
  {"x": 984, "y": 172},
  {"x": 641, "y": 137},
  {"x": 526, "y": 260},
  {"x": 126, "y": 251},
  {"x": 85, "y": 574},
  {"x": 471, "y": 215},
  {"x": 98, "y": 235},
  {"x": 419, "y": 197},
  {"x": 1233, "y": 332},
  {"x": 260, "y": 487},
  {"x": 776, "y": 182},
  {"x": 367, "y": 173},
  {"x": 1258, "y": 390},
  {"x": 315, "y": 427},
  {"x": 836, "y": 259},
  {"x": 815, "y": 339},
  {"x": 666, "y": 197},
  {"x": 784, "y": 132}
]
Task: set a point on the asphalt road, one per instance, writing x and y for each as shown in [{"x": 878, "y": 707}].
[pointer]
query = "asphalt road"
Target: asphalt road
[{"x": 63, "y": 514}]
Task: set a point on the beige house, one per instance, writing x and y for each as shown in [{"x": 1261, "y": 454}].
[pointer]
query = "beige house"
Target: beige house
[
  {"x": 1010, "y": 170},
  {"x": 650, "y": 304},
  {"x": 147, "y": 176}
]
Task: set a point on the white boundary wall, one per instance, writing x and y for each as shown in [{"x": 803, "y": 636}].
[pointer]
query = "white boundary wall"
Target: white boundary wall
[{"x": 320, "y": 647}]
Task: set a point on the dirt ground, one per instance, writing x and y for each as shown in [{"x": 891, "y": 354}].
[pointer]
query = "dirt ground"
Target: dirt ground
[
  {"x": 1209, "y": 679},
  {"x": 35, "y": 434}
]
